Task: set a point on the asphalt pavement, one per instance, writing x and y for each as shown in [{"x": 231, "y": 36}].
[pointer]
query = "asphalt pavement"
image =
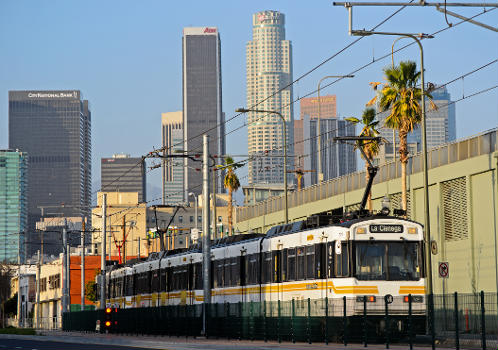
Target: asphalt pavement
[
  {"x": 90, "y": 341},
  {"x": 41, "y": 344}
]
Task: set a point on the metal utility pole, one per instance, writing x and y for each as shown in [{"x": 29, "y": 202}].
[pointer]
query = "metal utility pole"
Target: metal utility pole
[
  {"x": 38, "y": 292},
  {"x": 64, "y": 269},
  {"x": 68, "y": 277},
  {"x": 103, "y": 252},
  {"x": 19, "y": 306},
  {"x": 138, "y": 248},
  {"x": 123, "y": 245},
  {"x": 206, "y": 237},
  {"x": 215, "y": 219},
  {"x": 83, "y": 264}
]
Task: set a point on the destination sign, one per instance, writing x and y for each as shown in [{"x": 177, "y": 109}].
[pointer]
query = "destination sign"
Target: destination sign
[{"x": 386, "y": 228}]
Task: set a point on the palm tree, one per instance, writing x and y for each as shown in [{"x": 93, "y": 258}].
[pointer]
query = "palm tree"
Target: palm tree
[
  {"x": 401, "y": 96},
  {"x": 232, "y": 184},
  {"x": 370, "y": 148}
]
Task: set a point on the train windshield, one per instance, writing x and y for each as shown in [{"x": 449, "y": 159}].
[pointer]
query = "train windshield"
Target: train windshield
[{"x": 393, "y": 261}]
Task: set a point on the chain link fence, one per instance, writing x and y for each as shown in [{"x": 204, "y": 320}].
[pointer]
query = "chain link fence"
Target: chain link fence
[{"x": 454, "y": 320}]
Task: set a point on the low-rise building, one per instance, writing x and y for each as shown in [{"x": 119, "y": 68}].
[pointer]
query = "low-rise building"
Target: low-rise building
[{"x": 49, "y": 276}]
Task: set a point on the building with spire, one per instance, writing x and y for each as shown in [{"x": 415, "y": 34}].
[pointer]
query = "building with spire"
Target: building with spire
[{"x": 269, "y": 70}]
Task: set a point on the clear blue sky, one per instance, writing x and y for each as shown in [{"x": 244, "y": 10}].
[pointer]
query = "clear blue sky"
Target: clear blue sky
[{"x": 125, "y": 57}]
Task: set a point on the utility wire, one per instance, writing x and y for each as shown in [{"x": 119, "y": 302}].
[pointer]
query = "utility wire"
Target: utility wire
[{"x": 327, "y": 85}]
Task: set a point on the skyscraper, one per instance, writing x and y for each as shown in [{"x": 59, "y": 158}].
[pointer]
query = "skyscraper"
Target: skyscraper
[
  {"x": 173, "y": 174},
  {"x": 54, "y": 128},
  {"x": 309, "y": 106},
  {"x": 338, "y": 159},
  {"x": 202, "y": 107},
  {"x": 13, "y": 205},
  {"x": 268, "y": 69},
  {"x": 123, "y": 173}
]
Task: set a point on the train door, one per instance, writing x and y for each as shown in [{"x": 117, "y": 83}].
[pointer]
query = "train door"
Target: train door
[
  {"x": 329, "y": 271},
  {"x": 190, "y": 283},
  {"x": 242, "y": 269},
  {"x": 277, "y": 273}
]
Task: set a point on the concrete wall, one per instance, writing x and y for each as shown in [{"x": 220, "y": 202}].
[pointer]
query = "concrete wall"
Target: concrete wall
[{"x": 462, "y": 199}]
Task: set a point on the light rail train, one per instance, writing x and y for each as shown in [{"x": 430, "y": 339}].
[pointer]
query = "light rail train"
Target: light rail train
[{"x": 365, "y": 258}]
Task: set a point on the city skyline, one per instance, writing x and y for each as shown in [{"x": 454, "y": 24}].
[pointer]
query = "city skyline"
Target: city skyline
[{"x": 155, "y": 86}]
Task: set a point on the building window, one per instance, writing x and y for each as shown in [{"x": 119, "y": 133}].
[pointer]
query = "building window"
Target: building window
[
  {"x": 180, "y": 219},
  {"x": 191, "y": 219},
  {"x": 199, "y": 218},
  {"x": 220, "y": 219},
  {"x": 43, "y": 284}
]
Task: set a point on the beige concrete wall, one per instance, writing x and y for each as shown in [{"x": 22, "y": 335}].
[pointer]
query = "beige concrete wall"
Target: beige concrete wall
[{"x": 472, "y": 260}]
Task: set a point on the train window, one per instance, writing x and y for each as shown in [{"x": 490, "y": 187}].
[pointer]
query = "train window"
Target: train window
[
  {"x": 155, "y": 281},
  {"x": 291, "y": 264},
  {"x": 253, "y": 269},
  {"x": 226, "y": 271},
  {"x": 243, "y": 270},
  {"x": 320, "y": 258},
  {"x": 129, "y": 285},
  {"x": 300, "y": 263},
  {"x": 162, "y": 280},
  {"x": 234, "y": 271},
  {"x": 197, "y": 279},
  {"x": 267, "y": 268},
  {"x": 310, "y": 262},
  {"x": 342, "y": 262},
  {"x": 169, "y": 277},
  {"x": 218, "y": 271},
  {"x": 284, "y": 265}
]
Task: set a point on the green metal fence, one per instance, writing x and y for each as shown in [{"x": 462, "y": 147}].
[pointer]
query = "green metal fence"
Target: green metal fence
[{"x": 356, "y": 319}]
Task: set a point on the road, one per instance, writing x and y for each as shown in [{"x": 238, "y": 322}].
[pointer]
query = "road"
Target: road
[
  {"x": 55, "y": 340},
  {"x": 28, "y": 344}
]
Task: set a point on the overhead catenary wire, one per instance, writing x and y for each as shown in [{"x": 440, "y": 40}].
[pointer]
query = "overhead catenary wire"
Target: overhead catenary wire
[
  {"x": 325, "y": 145},
  {"x": 309, "y": 72}
]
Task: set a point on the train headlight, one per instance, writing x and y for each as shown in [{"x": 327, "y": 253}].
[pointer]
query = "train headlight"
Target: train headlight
[
  {"x": 415, "y": 299},
  {"x": 369, "y": 299},
  {"x": 361, "y": 230},
  {"x": 412, "y": 230}
]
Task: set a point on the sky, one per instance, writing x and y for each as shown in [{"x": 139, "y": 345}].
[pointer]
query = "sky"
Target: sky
[{"x": 125, "y": 57}]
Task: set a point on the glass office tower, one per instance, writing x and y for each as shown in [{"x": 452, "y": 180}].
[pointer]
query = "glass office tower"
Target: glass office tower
[
  {"x": 202, "y": 107},
  {"x": 54, "y": 128},
  {"x": 122, "y": 173},
  {"x": 13, "y": 205}
]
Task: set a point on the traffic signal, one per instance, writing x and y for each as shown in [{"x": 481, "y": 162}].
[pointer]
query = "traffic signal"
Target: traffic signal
[{"x": 110, "y": 322}]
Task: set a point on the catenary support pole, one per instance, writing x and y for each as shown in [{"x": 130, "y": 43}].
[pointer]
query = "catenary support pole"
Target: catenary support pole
[
  {"x": 83, "y": 264},
  {"x": 38, "y": 311},
  {"x": 64, "y": 269},
  {"x": 206, "y": 239},
  {"x": 103, "y": 252}
]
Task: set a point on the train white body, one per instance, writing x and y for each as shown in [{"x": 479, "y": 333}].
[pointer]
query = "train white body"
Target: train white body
[{"x": 369, "y": 257}]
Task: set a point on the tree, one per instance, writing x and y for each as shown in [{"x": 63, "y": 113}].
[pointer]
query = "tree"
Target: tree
[
  {"x": 370, "y": 148},
  {"x": 232, "y": 184},
  {"x": 5, "y": 278},
  {"x": 91, "y": 291},
  {"x": 401, "y": 97}
]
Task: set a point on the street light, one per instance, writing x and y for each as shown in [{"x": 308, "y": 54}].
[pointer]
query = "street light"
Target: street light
[
  {"x": 424, "y": 145},
  {"x": 284, "y": 128},
  {"x": 319, "y": 129},
  {"x": 195, "y": 206}
]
